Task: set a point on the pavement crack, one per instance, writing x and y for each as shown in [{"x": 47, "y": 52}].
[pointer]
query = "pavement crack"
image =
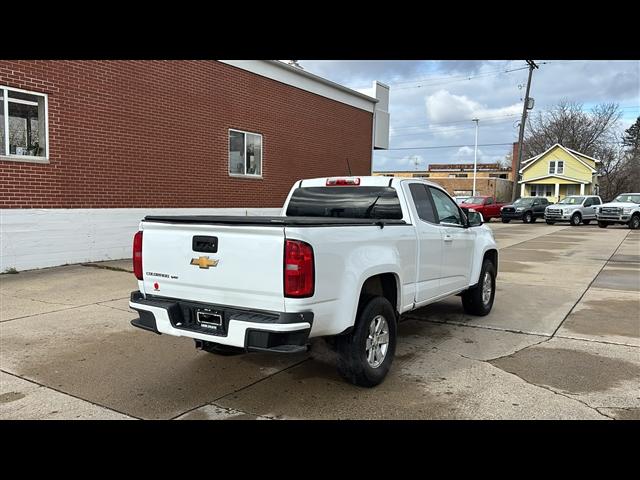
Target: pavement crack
[
  {"x": 68, "y": 394},
  {"x": 568, "y": 397},
  {"x": 589, "y": 286},
  {"x": 213, "y": 402}
]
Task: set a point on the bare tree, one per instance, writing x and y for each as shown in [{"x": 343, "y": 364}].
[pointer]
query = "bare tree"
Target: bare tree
[
  {"x": 595, "y": 133},
  {"x": 569, "y": 125}
]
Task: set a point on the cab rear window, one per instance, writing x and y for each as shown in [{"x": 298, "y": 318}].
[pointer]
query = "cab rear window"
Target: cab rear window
[{"x": 345, "y": 202}]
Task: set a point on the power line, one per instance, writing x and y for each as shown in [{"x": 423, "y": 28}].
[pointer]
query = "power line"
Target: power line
[
  {"x": 443, "y": 77},
  {"x": 455, "y": 121},
  {"x": 449, "y": 146},
  {"x": 481, "y": 75}
]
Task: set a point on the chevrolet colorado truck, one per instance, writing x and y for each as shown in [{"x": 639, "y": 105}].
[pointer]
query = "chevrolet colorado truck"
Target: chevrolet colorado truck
[
  {"x": 485, "y": 205},
  {"x": 575, "y": 209},
  {"x": 625, "y": 210},
  {"x": 527, "y": 209},
  {"x": 346, "y": 257}
]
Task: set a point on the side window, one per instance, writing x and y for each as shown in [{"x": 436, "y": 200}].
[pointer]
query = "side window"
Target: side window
[
  {"x": 596, "y": 201},
  {"x": 588, "y": 202},
  {"x": 489, "y": 201},
  {"x": 423, "y": 202},
  {"x": 445, "y": 207}
]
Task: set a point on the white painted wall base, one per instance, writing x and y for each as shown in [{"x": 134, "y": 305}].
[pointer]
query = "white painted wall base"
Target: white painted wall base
[{"x": 39, "y": 238}]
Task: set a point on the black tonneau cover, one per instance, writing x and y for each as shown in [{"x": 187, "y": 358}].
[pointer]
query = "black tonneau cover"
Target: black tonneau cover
[{"x": 271, "y": 221}]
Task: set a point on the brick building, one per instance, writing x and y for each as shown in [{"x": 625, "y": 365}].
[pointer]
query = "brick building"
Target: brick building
[
  {"x": 87, "y": 148},
  {"x": 491, "y": 178}
]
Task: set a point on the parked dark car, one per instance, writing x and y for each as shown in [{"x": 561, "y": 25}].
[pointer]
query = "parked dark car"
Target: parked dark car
[{"x": 527, "y": 209}]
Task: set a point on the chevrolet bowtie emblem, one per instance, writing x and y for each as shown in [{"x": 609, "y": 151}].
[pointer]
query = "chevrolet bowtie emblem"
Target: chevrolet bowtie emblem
[{"x": 204, "y": 262}]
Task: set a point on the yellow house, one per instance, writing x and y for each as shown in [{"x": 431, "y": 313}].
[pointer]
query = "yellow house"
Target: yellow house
[{"x": 557, "y": 173}]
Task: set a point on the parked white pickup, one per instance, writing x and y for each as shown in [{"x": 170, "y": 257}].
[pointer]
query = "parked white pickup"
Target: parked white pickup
[{"x": 343, "y": 261}]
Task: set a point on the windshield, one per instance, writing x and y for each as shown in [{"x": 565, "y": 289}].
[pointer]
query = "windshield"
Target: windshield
[
  {"x": 345, "y": 202},
  {"x": 571, "y": 200},
  {"x": 628, "y": 198},
  {"x": 523, "y": 202},
  {"x": 474, "y": 200}
]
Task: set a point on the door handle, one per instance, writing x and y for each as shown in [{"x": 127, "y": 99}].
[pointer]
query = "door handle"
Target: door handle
[{"x": 448, "y": 238}]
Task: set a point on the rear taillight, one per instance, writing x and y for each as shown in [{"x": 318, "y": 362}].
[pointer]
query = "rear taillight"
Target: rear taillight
[
  {"x": 298, "y": 269},
  {"x": 137, "y": 255},
  {"x": 332, "y": 182}
]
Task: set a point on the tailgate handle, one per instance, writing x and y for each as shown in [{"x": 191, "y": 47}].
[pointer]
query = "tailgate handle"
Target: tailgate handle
[{"x": 205, "y": 244}]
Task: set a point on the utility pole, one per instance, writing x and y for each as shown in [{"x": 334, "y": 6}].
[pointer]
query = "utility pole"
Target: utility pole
[
  {"x": 475, "y": 157},
  {"x": 516, "y": 176}
]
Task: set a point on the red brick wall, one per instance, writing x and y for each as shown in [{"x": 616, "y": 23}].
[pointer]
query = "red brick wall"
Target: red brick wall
[{"x": 155, "y": 134}]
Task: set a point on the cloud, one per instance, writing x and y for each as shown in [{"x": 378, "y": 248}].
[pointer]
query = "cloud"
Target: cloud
[
  {"x": 443, "y": 106},
  {"x": 425, "y": 93}
]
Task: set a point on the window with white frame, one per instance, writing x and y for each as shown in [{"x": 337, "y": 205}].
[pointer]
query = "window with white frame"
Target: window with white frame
[
  {"x": 542, "y": 190},
  {"x": 245, "y": 153},
  {"x": 552, "y": 167},
  {"x": 560, "y": 167},
  {"x": 23, "y": 124}
]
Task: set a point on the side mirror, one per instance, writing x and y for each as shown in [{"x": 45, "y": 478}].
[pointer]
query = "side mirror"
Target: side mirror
[{"x": 475, "y": 218}]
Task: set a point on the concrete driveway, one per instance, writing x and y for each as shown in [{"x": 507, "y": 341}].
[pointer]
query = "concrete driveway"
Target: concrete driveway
[{"x": 562, "y": 342}]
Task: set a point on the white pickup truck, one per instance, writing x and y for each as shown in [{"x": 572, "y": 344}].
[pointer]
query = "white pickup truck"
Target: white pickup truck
[{"x": 344, "y": 260}]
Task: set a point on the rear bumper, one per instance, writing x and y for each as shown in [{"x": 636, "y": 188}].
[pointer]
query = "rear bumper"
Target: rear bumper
[{"x": 251, "y": 330}]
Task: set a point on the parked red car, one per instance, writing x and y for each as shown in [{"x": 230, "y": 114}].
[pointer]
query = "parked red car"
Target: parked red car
[{"x": 485, "y": 205}]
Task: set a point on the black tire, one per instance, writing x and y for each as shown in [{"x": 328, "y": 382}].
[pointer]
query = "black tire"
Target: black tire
[
  {"x": 219, "y": 349},
  {"x": 549, "y": 222},
  {"x": 353, "y": 364},
  {"x": 526, "y": 218},
  {"x": 634, "y": 223},
  {"x": 576, "y": 219},
  {"x": 603, "y": 224},
  {"x": 586, "y": 222},
  {"x": 472, "y": 299},
  {"x": 506, "y": 220}
]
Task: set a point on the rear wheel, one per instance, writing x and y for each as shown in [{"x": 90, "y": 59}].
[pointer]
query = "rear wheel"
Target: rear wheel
[
  {"x": 634, "y": 223},
  {"x": 479, "y": 299},
  {"x": 576, "y": 218},
  {"x": 526, "y": 218},
  {"x": 366, "y": 353},
  {"x": 603, "y": 224},
  {"x": 506, "y": 220}
]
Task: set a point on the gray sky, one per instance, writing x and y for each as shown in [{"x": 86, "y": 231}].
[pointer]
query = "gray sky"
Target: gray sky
[{"x": 432, "y": 102}]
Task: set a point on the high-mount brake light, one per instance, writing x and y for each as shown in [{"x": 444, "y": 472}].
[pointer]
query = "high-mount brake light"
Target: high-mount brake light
[{"x": 331, "y": 182}]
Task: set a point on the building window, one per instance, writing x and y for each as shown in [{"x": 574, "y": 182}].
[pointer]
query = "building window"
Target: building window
[
  {"x": 552, "y": 167},
  {"x": 420, "y": 175},
  {"x": 560, "y": 168},
  {"x": 458, "y": 175},
  {"x": 542, "y": 190},
  {"x": 245, "y": 153},
  {"x": 23, "y": 125}
]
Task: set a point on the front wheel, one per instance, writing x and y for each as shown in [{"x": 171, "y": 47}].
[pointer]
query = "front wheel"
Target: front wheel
[
  {"x": 479, "y": 299},
  {"x": 603, "y": 224},
  {"x": 634, "y": 223},
  {"x": 365, "y": 355},
  {"x": 526, "y": 218},
  {"x": 576, "y": 219}
]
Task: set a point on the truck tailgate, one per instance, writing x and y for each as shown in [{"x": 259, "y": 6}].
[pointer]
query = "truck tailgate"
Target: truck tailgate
[{"x": 248, "y": 272}]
